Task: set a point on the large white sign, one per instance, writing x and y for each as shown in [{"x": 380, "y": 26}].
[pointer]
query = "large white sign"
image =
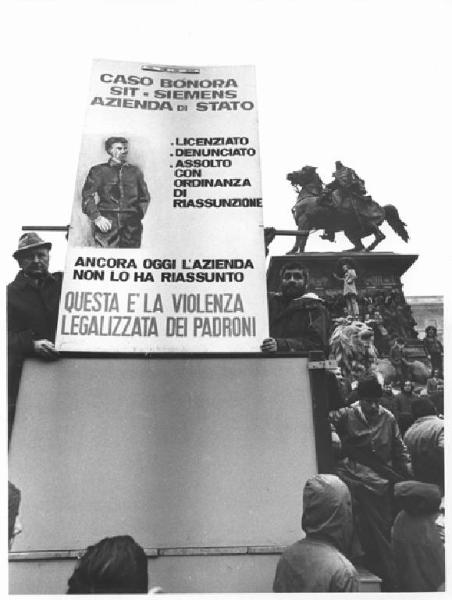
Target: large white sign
[{"x": 166, "y": 247}]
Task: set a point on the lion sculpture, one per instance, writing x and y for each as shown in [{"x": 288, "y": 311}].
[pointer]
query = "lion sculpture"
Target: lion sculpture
[{"x": 352, "y": 346}]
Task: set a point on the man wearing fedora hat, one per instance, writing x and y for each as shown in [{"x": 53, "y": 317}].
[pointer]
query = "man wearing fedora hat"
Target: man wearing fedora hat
[{"x": 33, "y": 301}]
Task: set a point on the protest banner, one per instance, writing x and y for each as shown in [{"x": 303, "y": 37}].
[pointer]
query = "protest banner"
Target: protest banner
[{"x": 166, "y": 247}]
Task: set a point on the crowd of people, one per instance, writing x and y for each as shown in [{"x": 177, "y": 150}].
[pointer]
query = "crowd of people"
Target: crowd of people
[
  {"x": 373, "y": 456},
  {"x": 398, "y": 399},
  {"x": 389, "y": 311},
  {"x": 382, "y": 507},
  {"x": 388, "y": 441}
]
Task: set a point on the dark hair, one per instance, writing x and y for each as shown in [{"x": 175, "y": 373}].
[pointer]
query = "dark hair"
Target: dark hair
[
  {"x": 13, "y": 508},
  {"x": 347, "y": 261},
  {"x": 431, "y": 328},
  {"x": 294, "y": 265},
  {"x": 114, "y": 140},
  {"x": 116, "y": 565},
  {"x": 369, "y": 386},
  {"x": 422, "y": 407}
]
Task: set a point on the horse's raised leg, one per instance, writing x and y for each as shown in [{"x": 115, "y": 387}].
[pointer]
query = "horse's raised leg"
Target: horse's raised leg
[
  {"x": 300, "y": 241},
  {"x": 379, "y": 237},
  {"x": 356, "y": 241},
  {"x": 294, "y": 249}
]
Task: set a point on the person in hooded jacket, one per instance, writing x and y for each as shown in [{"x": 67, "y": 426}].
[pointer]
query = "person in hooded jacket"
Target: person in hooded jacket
[
  {"x": 416, "y": 540},
  {"x": 317, "y": 563},
  {"x": 425, "y": 442}
]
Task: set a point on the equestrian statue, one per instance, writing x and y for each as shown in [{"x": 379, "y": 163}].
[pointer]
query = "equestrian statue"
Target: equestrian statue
[{"x": 342, "y": 205}]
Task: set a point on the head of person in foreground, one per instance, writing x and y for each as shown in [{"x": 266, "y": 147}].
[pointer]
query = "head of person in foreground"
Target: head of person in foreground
[{"x": 115, "y": 565}]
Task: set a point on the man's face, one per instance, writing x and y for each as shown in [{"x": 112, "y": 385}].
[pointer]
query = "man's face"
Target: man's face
[
  {"x": 35, "y": 262},
  {"x": 118, "y": 152},
  {"x": 293, "y": 283},
  {"x": 407, "y": 386},
  {"x": 369, "y": 406}
]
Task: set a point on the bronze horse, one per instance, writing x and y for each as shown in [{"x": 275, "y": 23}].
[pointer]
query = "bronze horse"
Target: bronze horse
[{"x": 357, "y": 216}]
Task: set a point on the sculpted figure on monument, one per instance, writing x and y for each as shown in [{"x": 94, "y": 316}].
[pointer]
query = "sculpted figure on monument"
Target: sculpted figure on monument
[
  {"x": 345, "y": 191},
  {"x": 342, "y": 205},
  {"x": 352, "y": 346},
  {"x": 348, "y": 279}
]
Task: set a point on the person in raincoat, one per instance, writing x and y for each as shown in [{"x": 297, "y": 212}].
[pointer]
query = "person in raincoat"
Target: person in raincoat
[
  {"x": 318, "y": 563},
  {"x": 373, "y": 458},
  {"x": 425, "y": 442},
  {"x": 416, "y": 537}
]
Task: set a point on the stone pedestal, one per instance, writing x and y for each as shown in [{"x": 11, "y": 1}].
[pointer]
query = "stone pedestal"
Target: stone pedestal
[{"x": 379, "y": 287}]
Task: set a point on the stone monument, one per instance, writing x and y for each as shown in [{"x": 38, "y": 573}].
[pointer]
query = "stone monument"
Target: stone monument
[{"x": 343, "y": 205}]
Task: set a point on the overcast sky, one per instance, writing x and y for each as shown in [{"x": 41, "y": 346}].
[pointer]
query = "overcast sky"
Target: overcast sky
[{"x": 367, "y": 83}]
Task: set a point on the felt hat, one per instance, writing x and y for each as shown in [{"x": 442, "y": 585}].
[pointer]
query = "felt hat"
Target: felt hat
[{"x": 30, "y": 240}]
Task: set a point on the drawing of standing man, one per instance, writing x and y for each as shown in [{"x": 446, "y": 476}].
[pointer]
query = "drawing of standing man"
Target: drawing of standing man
[{"x": 115, "y": 198}]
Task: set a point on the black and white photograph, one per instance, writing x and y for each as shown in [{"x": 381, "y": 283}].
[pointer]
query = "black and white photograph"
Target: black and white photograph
[
  {"x": 115, "y": 198},
  {"x": 227, "y": 277}
]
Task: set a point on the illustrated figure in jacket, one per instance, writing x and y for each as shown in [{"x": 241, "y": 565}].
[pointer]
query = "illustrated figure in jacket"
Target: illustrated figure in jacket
[{"x": 115, "y": 197}]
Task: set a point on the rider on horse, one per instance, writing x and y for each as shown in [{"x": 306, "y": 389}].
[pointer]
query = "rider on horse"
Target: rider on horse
[
  {"x": 342, "y": 205},
  {"x": 345, "y": 192}
]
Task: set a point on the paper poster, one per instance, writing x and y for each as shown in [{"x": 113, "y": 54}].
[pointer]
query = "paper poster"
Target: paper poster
[{"x": 166, "y": 247}]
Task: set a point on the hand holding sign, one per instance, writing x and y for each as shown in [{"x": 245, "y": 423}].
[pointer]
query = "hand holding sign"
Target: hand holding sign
[
  {"x": 45, "y": 349},
  {"x": 269, "y": 345}
]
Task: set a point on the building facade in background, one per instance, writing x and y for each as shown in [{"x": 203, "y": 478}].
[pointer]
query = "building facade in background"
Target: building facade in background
[{"x": 427, "y": 310}]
